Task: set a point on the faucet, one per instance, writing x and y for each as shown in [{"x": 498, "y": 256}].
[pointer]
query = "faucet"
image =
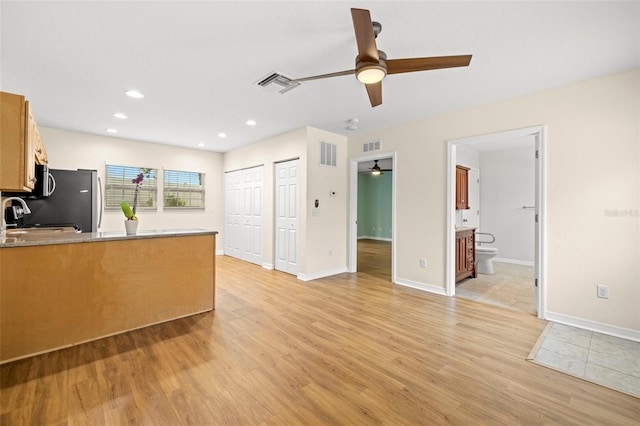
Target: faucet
[{"x": 3, "y": 227}]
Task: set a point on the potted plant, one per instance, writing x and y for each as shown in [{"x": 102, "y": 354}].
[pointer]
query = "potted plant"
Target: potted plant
[{"x": 131, "y": 223}]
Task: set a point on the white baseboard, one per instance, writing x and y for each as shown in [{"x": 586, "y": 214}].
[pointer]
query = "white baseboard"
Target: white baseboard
[
  {"x": 366, "y": 237},
  {"x": 219, "y": 252},
  {"x": 514, "y": 261},
  {"x": 268, "y": 266},
  {"x": 598, "y": 327},
  {"x": 421, "y": 286},
  {"x": 322, "y": 274}
]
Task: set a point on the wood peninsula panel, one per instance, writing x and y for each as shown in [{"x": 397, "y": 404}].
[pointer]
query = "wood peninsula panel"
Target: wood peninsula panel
[{"x": 53, "y": 296}]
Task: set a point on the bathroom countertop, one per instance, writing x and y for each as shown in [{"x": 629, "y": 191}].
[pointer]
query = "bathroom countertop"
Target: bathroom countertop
[{"x": 40, "y": 238}]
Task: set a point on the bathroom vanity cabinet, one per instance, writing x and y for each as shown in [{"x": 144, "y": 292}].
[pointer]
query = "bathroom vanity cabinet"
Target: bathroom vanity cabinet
[
  {"x": 465, "y": 253},
  {"x": 462, "y": 187}
]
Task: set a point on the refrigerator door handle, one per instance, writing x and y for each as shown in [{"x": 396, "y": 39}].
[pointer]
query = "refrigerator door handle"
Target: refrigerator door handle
[
  {"x": 100, "y": 195},
  {"x": 51, "y": 184}
]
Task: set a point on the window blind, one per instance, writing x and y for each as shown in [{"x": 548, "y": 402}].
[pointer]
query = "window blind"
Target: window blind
[{"x": 183, "y": 189}]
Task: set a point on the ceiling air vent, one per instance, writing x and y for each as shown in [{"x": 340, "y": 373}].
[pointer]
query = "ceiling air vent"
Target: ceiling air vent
[{"x": 275, "y": 82}]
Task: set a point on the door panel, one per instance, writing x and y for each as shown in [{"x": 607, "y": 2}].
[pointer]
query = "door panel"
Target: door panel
[
  {"x": 243, "y": 214},
  {"x": 287, "y": 217}
]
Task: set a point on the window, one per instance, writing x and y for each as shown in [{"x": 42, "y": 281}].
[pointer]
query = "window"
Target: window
[
  {"x": 119, "y": 187},
  {"x": 183, "y": 189}
]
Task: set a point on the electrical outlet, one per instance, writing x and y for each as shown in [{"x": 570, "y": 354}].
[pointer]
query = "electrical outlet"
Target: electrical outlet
[
  {"x": 423, "y": 262},
  {"x": 603, "y": 291}
]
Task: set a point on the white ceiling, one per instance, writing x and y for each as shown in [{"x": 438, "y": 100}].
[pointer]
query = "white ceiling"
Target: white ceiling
[{"x": 197, "y": 62}]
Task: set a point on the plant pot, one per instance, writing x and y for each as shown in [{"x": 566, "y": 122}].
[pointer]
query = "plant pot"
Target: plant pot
[{"x": 131, "y": 226}]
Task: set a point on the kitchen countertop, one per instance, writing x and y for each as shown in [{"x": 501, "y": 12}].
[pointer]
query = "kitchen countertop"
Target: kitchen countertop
[{"x": 41, "y": 238}]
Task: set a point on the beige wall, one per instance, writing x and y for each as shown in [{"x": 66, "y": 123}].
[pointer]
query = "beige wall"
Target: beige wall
[
  {"x": 592, "y": 168},
  {"x": 73, "y": 150}
]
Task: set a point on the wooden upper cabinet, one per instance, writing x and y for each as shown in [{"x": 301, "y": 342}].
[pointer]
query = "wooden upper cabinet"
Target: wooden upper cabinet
[
  {"x": 18, "y": 136},
  {"x": 34, "y": 134},
  {"x": 462, "y": 188}
]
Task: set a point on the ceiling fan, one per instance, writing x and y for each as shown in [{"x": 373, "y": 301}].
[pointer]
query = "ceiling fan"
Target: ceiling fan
[
  {"x": 376, "y": 170},
  {"x": 372, "y": 64}
]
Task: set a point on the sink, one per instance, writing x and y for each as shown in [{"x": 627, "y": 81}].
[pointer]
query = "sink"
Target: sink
[{"x": 49, "y": 234}]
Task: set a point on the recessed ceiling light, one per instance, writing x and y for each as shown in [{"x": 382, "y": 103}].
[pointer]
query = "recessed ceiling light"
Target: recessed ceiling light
[
  {"x": 110, "y": 130},
  {"x": 222, "y": 135},
  {"x": 250, "y": 123},
  {"x": 134, "y": 94},
  {"x": 201, "y": 144},
  {"x": 120, "y": 115}
]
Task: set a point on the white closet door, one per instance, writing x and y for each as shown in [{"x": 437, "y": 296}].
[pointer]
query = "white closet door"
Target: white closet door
[
  {"x": 233, "y": 213},
  {"x": 252, "y": 215},
  {"x": 287, "y": 217},
  {"x": 243, "y": 214}
]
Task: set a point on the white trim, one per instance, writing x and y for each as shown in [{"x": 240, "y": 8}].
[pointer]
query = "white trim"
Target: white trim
[
  {"x": 540, "y": 273},
  {"x": 352, "y": 255},
  {"x": 321, "y": 274},
  {"x": 421, "y": 286},
  {"x": 268, "y": 266},
  {"x": 220, "y": 252},
  {"x": 514, "y": 261},
  {"x": 598, "y": 327}
]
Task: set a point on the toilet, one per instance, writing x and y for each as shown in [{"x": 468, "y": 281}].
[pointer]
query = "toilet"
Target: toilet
[{"x": 484, "y": 264}]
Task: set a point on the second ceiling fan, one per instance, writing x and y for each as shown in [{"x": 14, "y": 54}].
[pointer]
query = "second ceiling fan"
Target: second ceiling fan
[{"x": 372, "y": 64}]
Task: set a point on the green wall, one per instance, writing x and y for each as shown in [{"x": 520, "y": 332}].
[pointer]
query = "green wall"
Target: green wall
[{"x": 374, "y": 205}]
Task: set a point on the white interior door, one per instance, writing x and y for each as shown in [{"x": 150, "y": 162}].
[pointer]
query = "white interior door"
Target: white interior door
[
  {"x": 287, "y": 216},
  {"x": 243, "y": 214},
  {"x": 233, "y": 213},
  {"x": 252, "y": 215},
  {"x": 471, "y": 217}
]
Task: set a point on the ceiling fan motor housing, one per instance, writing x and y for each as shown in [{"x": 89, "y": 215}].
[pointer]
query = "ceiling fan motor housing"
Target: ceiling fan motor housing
[{"x": 372, "y": 72}]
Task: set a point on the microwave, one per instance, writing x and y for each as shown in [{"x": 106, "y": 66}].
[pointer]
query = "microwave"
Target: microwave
[{"x": 44, "y": 186}]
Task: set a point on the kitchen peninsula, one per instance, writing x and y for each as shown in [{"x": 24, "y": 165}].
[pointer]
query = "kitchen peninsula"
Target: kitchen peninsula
[{"x": 59, "y": 289}]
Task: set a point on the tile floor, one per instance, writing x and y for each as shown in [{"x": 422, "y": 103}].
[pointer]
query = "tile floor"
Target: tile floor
[
  {"x": 606, "y": 360},
  {"x": 510, "y": 287}
]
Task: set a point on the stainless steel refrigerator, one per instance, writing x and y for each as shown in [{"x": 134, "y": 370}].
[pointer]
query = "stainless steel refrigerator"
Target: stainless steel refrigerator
[{"x": 74, "y": 202}]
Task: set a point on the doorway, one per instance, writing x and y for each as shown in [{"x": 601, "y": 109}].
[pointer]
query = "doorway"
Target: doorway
[
  {"x": 381, "y": 230},
  {"x": 531, "y": 212}
]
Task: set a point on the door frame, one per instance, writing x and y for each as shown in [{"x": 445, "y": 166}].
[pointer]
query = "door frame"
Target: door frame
[
  {"x": 352, "y": 262},
  {"x": 540, "y": 267}
]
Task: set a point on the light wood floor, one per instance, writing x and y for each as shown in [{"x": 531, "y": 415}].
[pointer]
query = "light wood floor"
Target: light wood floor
[
  {"x": 374, "y": 258},
  {"x": 349, "y": 349}
]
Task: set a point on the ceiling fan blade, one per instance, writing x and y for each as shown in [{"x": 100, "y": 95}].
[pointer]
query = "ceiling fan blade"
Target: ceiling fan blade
[
  {"x": 318, "y": 77},
  {"x": 367, "y": 49},
  {"x": 375, "y": 93},
  {"x": 398, "y": 66}
]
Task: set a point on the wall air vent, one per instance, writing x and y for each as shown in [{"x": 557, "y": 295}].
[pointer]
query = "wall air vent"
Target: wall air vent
[
  {"x": 328, "y": 154},
  {"x": 371, "y": 146},
  {"x": 275, "y": 82}
]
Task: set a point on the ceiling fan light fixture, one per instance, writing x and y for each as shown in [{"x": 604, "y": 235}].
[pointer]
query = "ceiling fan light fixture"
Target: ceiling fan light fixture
[
  {"x": 371, "y": 73},
  {"x": 375, "y": 170}
]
